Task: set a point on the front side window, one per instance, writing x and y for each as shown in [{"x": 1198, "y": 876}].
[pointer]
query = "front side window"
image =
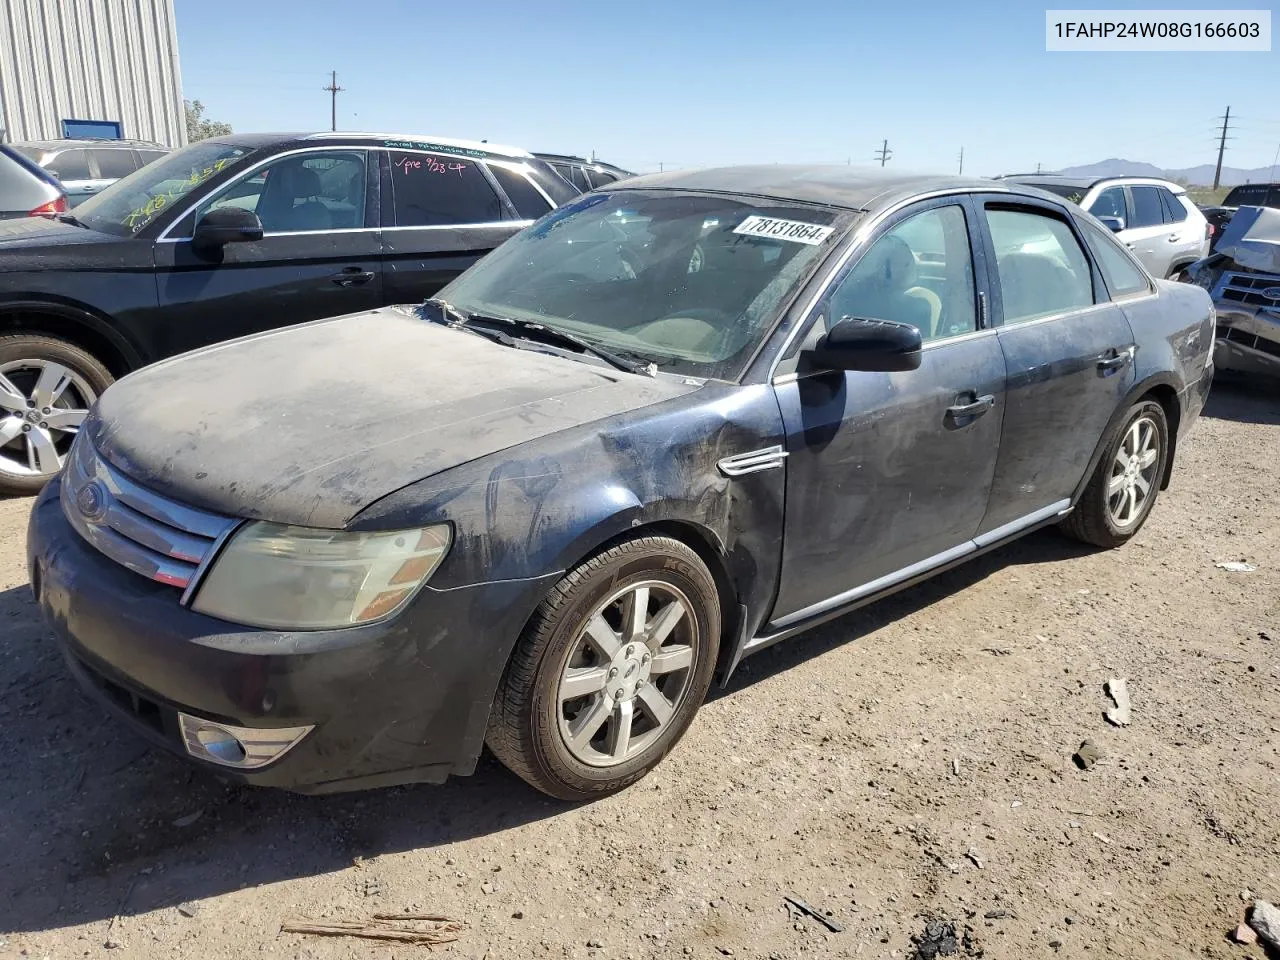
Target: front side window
[
  {"x": 528, "y": 200},
  {"x": 1147, "y": 211},
  {"x": 70, "y": 165},
  {"x": 1041, "y": 268},
  {"x": 431, "y": 191},
  {"x": 920, "y": 272},
  {"x": 689, "y": 282},
  {"x": 135, "y": 201},
  {"x": 1123, "y": 276},
  {"x": 302, "y": 193},
  {"x": 114, "y": 164},
  {"x": 1109, "y": 203}
]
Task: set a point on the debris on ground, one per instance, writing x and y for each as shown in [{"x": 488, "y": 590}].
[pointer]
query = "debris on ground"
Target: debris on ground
[
  {"x": 1244, "y": 935},
  {"x": 972, "y": 854},
  {"x": 1118, "y": 690},
  {"x": 420, "y": 929},
  {"x": 955, "y": 766},
  {"x": 1236, "y": 566},
  {"x": 1104, "y": 839},
  {"x": 1265, "y": 921},
  {"x": 1087, "y": 755},
  {"x": 188, "y": 910},
  {"x": 940, "y": 939},
  {"x": 189, "y": 819},
  {"x": 1000, "y": 915},
  {"x": 810, "y": 911}
]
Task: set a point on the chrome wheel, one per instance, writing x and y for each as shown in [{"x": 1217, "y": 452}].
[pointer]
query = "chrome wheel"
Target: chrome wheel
[
  {"x": 627, "y": 673},
  {"x": 42, "y": 404},
  {"x": 1133, "y": 472}
]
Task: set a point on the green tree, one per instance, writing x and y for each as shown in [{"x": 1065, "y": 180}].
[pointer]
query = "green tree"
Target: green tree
[{"x": 198, "y": 128}]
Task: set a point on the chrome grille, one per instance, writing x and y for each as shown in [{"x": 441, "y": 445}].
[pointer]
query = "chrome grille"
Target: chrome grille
[
  {"x": 151, "y": 535},
  {"x": 1248, "y": 287}
]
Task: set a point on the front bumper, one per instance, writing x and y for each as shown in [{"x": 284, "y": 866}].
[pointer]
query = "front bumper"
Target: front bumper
[
  {"x": 406, "y": 700},
  {"x": 1248, "y": 335}
]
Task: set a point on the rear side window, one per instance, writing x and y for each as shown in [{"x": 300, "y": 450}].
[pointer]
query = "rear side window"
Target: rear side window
[
  {"x": 150, "y": 156},
  {"x": 1147, "y": 211},
  {"x": 1174, "y": 211},
  {"x": 574, "y": 174},
  {"x": 70, "y": 165},
  {"x": 528, "y": 201},
  {"x": 1124, "y": 277},
  {"x": 430, "y": 191},
  {"x": 114, "y": 164},
  {"x": 599, "y": 178},
  {"x": 1041, "y": 267}
]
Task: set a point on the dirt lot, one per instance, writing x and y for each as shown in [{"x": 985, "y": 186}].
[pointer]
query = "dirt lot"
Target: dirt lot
[{"x": 828, "y": 771}]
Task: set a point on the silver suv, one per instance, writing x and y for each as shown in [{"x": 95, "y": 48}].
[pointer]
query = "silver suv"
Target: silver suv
[
  {"x": 86, "y": 166},
  {"x": 1153, "y": 218}
]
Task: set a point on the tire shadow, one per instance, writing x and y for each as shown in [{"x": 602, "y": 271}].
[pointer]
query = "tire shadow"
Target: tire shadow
[{"x": 1244, "y": 399}]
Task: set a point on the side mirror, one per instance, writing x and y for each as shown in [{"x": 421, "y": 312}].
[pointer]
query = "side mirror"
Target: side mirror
[
  {"x": 1114, "y": 224},
  {"x": 870, "y": 345},
  {"x": 227, "y": 225}
]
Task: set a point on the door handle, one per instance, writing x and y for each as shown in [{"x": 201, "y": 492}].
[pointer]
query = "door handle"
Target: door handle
[
  {"x": 1116, "y": 361},
  {"x": 352, "y": 277},
  {"x": 976, "y": 408}
]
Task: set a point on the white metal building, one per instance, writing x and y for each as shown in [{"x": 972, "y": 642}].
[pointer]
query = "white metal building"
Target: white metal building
[{"x": 96, "y": 68}]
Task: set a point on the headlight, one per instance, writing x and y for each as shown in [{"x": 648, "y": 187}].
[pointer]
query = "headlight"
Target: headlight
[{"x": 284, "y": 577}]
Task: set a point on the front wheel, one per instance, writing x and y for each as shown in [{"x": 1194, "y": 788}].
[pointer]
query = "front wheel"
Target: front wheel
[
  {"x": 1126, "y": 482},
  {"x": 47, "y": 386},
  {"x": 610, "y": 671}
]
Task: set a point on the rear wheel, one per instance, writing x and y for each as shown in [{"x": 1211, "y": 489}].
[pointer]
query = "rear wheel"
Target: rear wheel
[
  {"x": 46, "y": 388},
  {"x": 610, "y": 671},
  {"x": 1126, "y": 482}
]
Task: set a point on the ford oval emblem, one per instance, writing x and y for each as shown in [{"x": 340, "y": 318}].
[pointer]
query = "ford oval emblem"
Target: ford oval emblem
[
  {"x": 1272, "y": 293},
  {"x": 92, "y": 501}
]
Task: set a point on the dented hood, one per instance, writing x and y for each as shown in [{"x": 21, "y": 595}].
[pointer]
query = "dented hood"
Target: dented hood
[
  {"x": 1252, "y": 239},
  {"x": 311, "y": 424}
]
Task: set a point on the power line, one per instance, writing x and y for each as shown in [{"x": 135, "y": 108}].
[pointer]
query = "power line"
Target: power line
[
  {"x": 960, "y": 172},
  {"x": 884, "y": 153},
  {"x": 334, "y": 90},
  {"x": 1222, "y": 148}
]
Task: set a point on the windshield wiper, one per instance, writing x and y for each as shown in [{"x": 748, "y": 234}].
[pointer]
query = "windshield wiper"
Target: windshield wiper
[
  {"x": 553, "y": 337},
  {"x": 70, "y": 218}
]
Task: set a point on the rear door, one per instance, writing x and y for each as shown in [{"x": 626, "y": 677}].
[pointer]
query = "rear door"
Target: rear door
[
  {"x": 78, "y": 175},
  {"x": 1068, "y": 355},
  {"x": 319, "y": 255},
  {"x": 443, "y": 213},
  {"x": 1147, "y": 233},
  {"x": 1187, "y": 238}
]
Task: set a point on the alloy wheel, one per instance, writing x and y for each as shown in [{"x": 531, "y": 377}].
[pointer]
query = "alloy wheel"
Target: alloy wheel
[
  {"x": 1133, "y": 472},
  {"x": 627, "y": 673},
  {"x": 42, "y": 404}
]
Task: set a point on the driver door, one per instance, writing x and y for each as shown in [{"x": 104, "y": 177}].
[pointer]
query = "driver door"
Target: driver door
[{"x": 888, "y": 474}]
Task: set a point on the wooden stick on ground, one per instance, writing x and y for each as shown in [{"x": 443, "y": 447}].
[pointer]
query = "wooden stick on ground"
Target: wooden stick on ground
[{"x": 383, "y": 926}]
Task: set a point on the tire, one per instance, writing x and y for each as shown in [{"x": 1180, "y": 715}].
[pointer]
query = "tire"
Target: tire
[
  {"x": 32, "y": 448},
  {"x": 561, "y": 679},
  {"x": 1108, "y": 519}
]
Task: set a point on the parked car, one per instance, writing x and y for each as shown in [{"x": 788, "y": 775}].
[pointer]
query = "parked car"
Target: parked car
[
  {"x": 25, "y": 189},
  {"x": 229, "y": 237},
  {"x": 1245, "y": 195},
  {"x": 1243, "y": 277},
  {"x": 84, "y": 167},
  {"x": 665, "y": 427},
  {"x": 584, "y": 174},
  {"x": 1153, "y": 218}
]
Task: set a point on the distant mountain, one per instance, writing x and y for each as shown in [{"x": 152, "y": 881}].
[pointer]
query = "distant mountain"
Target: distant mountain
[{"x": 1201, "y": 175}]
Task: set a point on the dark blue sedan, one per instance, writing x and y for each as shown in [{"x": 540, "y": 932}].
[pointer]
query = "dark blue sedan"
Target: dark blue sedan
[{"x": 664, "y": 427}]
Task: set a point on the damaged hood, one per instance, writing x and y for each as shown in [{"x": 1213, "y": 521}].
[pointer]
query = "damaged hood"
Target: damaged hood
[
  {"x": 311, "y": 424},
  {"x": 1252, "y": 239}
]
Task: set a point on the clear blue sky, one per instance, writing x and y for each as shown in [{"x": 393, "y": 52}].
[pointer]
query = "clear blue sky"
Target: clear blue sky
[{"x": 702, "y": 82}]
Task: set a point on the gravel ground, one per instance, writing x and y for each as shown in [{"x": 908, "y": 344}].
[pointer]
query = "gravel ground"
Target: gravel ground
[{"x": 905, "y": 763}]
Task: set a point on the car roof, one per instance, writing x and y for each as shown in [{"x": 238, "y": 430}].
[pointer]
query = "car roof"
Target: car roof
[
  {"x": 1088, "y": 183},
  {"x": 851, "y": 188},
  {"x": 49, "y": 145},
  {"x": 256, "y": 141}
]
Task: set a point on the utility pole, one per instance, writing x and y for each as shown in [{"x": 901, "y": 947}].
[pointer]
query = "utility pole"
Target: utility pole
[
  {"x": 1222, "y": 148},
  {"x": 960, "y": 172},
  {"x": 334, "y": 90},
  {"x": 884, "y": 153}
]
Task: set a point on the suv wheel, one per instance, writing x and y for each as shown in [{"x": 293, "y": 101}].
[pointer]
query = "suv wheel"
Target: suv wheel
[
  {"x": 610, "y": 670},
  {"x": 46, "y": 388}
]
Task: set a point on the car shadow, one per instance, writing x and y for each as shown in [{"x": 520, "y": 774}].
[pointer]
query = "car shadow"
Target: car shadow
[
  {"x": 1244, "y": 399},
  {"x": 1044, "y": 546}
]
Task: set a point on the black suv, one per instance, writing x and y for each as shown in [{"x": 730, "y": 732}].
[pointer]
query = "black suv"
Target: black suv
[
  {"x": 1245, "y": 195},
  {"x": 228, "y": 237},
  {"x": 584, "y": 174}
]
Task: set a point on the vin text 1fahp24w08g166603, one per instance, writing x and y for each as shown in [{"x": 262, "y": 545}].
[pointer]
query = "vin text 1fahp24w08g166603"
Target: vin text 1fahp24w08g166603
[{"x": 667, "y": 425}]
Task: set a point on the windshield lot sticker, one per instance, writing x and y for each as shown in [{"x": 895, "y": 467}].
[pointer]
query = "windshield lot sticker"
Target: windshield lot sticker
[{"x": 775, "y": 229}]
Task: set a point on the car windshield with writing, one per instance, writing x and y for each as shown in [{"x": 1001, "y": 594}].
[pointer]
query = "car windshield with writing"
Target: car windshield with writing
[
  {"x": 131, "y": 203},
  {"x": 688, "y": 282}
]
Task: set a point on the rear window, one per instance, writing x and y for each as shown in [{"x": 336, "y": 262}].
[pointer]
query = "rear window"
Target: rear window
[{"x": 1250, "y": 195}]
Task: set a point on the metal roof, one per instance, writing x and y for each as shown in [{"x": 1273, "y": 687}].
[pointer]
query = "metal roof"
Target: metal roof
[{"x": 853, "y": 188}]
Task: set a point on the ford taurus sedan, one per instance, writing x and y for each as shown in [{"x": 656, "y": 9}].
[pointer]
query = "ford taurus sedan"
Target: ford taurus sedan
[{"x": 664, "y": 427}]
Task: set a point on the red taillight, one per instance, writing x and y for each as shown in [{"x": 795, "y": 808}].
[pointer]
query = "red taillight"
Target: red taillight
[
  {"x": 50, "y": 209},
  {"x": 1208, "y": 231}
]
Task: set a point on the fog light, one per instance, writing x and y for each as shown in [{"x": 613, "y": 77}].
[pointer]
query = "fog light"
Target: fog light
[{"x": 245, "y": 748}]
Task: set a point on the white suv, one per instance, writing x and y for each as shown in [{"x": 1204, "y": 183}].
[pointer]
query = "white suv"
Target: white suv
[{"x": 1153, "y": 218}]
